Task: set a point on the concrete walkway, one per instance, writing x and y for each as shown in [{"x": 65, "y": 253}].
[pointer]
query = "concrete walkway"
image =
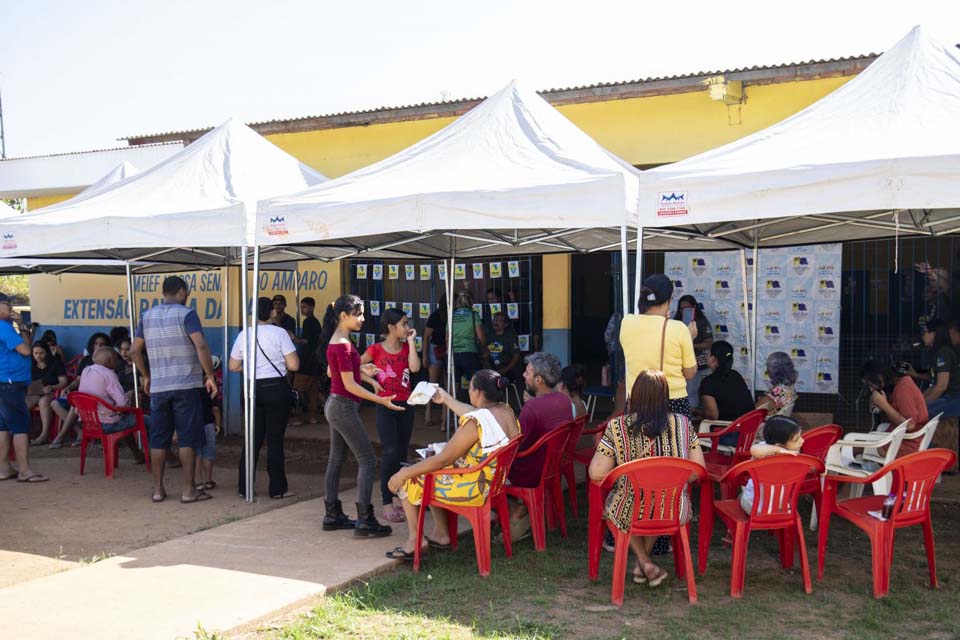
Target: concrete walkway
[{"x": 231, "y": 576}]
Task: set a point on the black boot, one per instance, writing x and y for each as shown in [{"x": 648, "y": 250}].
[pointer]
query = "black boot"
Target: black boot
[
  {"x": 335, "y": 518},
  {"x": 367, "y": 525}
]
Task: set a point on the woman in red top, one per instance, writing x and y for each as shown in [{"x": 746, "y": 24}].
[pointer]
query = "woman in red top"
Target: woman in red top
[
  {"x": 342, "y": 411},
  {"x": 396, "y": 360}
]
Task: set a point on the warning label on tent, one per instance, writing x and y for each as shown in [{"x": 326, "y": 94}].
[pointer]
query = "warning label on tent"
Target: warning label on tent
[
  {"x": 277, "y": 226},
  {"x": 672, "y": 203}
]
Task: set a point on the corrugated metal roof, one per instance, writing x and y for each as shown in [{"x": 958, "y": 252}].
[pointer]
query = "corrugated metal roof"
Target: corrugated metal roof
[
  {"x": 544, "y": 92},
  {"x": 77, "y": 153}
]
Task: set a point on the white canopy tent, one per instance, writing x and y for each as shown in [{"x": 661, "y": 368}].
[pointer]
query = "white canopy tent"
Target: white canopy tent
[
  {"x": 879, "y": 156},
  {"x": 120, "y": 172},
  {"x": 6, "y": 211}
]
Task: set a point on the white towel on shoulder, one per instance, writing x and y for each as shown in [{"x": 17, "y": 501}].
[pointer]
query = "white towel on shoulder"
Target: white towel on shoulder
[{"x": 492, "y": 435}]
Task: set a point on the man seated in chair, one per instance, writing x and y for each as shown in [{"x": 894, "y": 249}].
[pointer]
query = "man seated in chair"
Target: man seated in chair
[
  {"x": 546, "y": 410},
  {"x": 100, "y": 379}
]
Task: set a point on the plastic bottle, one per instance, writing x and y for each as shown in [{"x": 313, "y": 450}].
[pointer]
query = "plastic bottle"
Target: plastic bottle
[{"x": 888, "y": 503}]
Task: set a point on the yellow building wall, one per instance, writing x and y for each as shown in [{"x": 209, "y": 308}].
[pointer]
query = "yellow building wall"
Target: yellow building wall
[
  {"x": 642, "y": 131},
  {"x": 39, "y": 202}
]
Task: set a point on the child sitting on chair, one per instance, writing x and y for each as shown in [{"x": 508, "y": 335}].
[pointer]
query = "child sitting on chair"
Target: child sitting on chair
[{"x": 781, "y": 436}]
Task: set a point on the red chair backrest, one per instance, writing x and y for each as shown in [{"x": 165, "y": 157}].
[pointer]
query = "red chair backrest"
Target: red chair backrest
[
  {"x": 817, "y": 442},
  {"x": 553, "y": 442},
  {"x": 71, "y": 367},
  {"x": 86, "y": 406},
  {"x": 748, "y": 424},
  {"x": 576, "y": 430},
  {"x": 914, "y": 477},
  {"x": 661, "y": 482},
  {"x": 776, "y": 485},
  {"x": 503, "y": 458}
]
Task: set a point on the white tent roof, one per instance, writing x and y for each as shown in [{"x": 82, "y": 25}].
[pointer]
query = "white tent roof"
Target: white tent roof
[
  {"x": 511, "y": 163},
  {"x": 120, "y": 172},
  {"x": 196, "y": 198},
  {"x": 6, "y": 211},
  {"x": 887, "y": 140}
]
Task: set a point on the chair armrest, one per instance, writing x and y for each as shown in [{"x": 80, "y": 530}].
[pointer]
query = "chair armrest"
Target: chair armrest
[
  {"x": 594, "y": 431},
  {"x": 864, "y": 440},
  {"x": 856, "y": 479},
  {"x": 706, "y": 426},
  {"x": 126, "y": 409}
]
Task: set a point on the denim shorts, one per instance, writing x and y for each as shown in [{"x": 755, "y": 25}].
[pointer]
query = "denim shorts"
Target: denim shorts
[
  {"x": 126, "y": 421},
  {"x": 432, "y": 356},
  {"x": 14, "y": 415},
  {"x": 208, "y": 450},
  {"x": 180, "y": 411}
]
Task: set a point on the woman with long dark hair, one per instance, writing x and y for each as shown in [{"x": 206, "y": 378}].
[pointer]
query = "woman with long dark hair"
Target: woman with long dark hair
[
  {"x": 47, "y": 377},
  {"x": 724, "y": 394},
  {"x": 652, "y": 341},
  {"x": 943, "y": 394},
  {"x": 347, "y": 431},
  {"x": 649, "y": 429},
  {"x": 396, "y": 361},
  {"x": 275, "y": 356},
  {"x": 687, "y": 304}
]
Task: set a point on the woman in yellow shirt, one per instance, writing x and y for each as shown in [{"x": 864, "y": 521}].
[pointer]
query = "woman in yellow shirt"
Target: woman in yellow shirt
[{"x": 650, "y": 340}]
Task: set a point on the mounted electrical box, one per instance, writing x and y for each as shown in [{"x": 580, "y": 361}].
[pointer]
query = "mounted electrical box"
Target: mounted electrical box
[{"x": 725, "y": 91}]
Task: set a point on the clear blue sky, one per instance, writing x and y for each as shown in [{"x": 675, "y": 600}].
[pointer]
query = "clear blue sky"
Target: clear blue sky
[{"x": 77, "y": 75}]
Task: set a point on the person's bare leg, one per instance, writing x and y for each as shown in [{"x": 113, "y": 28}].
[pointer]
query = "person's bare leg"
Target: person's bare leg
[
  {"x": 188, "y": 460},
  {"x": 5, "y": 468},
  {"x": 441, "y": 532},
  {"x": 207, "y": 474},
  {"x": 158, "y": 461},
  {"x": 68, "y": 423},
  {"x": 46, "y": 419},
  {"x": 641, "y": 547},
  {"x": 412, "y": 512},
  {"x": 21, "y": 446}
]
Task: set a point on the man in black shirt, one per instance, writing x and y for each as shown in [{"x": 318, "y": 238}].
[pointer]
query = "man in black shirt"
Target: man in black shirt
[
  {"x": 305, "y": 380},
  {"x": 280, "y": 316}
]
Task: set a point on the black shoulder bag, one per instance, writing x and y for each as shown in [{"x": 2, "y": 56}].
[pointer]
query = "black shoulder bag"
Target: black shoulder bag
[{"x": 294, "y": 394}]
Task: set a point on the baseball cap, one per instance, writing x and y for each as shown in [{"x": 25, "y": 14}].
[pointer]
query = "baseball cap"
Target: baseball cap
[
  {"x": 4, "y": 297},
  {"x": 660, "y": 289}
]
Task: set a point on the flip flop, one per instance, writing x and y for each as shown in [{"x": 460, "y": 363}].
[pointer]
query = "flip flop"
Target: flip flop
[
  {"x": 159, "y": 497},
  {"x": 199, "y": 497},
  {"x": 658, "y": 579},
  {"x": 394, "y": 516},
  {"x": 433, "y": 544},
  {"x": 56, "y": 445},
  {"x": 34, "y": 478},
  {"x": 399, "y": 554},
  {"x": 9, "y": 477}
]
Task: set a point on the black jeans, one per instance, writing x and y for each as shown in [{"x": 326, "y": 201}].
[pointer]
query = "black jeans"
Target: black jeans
[
  {"x": 272, "y": 407},
  {"x": 464, "y": 366},
  {"x": 394, "y": 428}
]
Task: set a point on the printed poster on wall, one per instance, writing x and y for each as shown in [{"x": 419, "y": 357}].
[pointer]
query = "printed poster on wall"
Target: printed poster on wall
[
  {"x": 374, "y": 307},
  {"x": 425, "y": 271},
  {"x": 513, "y": 310},
  {"x": 355, "y": 339},
  {"x": 496, "y": 269},
  {"x": 408, "y": 308},
  {"x": 478, "y": 271},
  {"x": 798, "y": 307},
  {"x": 394, "y": 270},
  {"x": 513, "y": 268},
  {"x": 418, "y": 343},
  {"x": 459, "y": 271},
  {"x": 378, "y": 272},
  {"x": 370, "y": 340},
  {"x": 442, "y": 270},
  {"x": 361, "y": 272},
  {"x": 424, "y": 310},
  {"x": 524, "y": 342},
  {"x": 411, "y": 271},
  {"x": 389, "y": 304},
  {"x": 495, "y": 308},
  {"x": 478, "y": 308}
]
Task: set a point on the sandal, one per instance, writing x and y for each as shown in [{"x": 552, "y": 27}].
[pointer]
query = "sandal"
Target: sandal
[
  {"x": 10, "y": 476},
  {"x": 201, "y": 486},
  {"x": 400, "y": 554},
  {"x": 200, "y": 496},
  {"x": 159, "y": 497},
  {"x": 34, "y": 478},
  {"x": 638, "y": 577},
  {"x": 287, "y": 494},
  {"x": 36, "y": 442},
  {"x": 394, "y": 515},
  {"x": 433, "y": 544},
  {"x": 56, "y": 445},
  {"x": 658, "y": 578}
]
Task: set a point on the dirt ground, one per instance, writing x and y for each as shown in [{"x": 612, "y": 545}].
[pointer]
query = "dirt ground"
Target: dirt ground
[{"x": 74, "y": 518}]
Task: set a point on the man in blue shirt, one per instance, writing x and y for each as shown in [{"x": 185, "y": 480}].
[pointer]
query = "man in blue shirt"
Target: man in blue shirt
[{"x": 14, "y": 380}]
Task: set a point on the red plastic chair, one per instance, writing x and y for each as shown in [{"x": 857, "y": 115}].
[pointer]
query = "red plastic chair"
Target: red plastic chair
[
  {"x": 569, "y": 457},
  {"x": 86, "y": 406},
  {"x": 914, "y": 477},
  {"x": 816, "y": 443},
  {"x": 71, "y": 367},
  {"x": 479, "y": 517},
  {"x": 536, "y": 497},
  {"x": 776, "y": 481},
  {"x": 663, "y": 479},
  {"x": 719, "y": 463},
  {"x": 585, "y": 455}
]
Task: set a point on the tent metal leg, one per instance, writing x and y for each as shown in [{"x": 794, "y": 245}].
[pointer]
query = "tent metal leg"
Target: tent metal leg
[
  {"x": 132, "y": 323},
  {"x": 638, "y": 282},
  {"x": 753, "y": 330},
  {"x": 624, "y": 269},
  {"x": 225, "y": 312},
  {"x": 247, "y": 370},
  {"x": 253, "y": 371},
  {"x": 452, "y": 382}
]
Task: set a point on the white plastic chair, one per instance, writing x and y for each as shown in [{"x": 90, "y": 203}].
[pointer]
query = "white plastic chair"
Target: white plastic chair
[
  {"x": 706, "y": 426},
  {"x": 840, "y": 459},
  {"x": 925, "y": 433}
]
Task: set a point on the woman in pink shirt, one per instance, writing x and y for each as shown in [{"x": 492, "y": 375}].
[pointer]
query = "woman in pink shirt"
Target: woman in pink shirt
[{"x": 100, "y": 379}]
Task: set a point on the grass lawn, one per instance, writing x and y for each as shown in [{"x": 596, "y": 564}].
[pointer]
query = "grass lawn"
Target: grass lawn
[{"x": 548, "y": 595}]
